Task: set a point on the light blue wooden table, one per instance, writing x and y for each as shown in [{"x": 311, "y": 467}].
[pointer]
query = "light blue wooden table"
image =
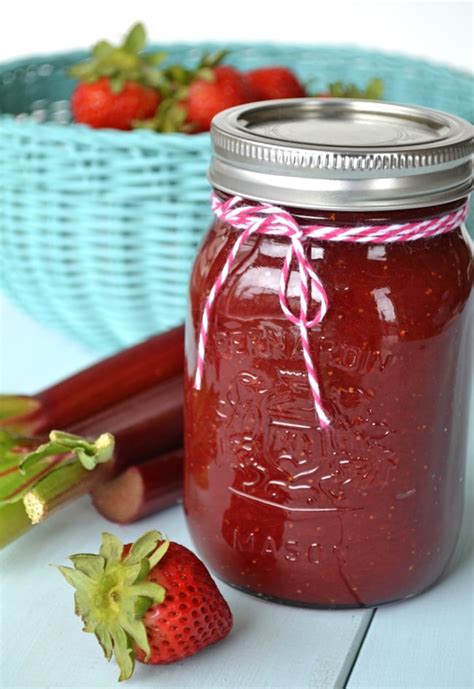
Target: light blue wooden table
[{"x": 426, "y": 642}]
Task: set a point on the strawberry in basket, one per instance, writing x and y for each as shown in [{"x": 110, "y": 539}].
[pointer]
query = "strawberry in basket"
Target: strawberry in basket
[
  {"x": 195, "y": 96},
  {"x": 125, "y": 88},
  {"x": 191, "y": 97},
  {"x": 118, "y": 85},
  {"x": 206, "y": 98},
  {"x": 339, "y": 89},
  {"x": 269, "y": 83}
]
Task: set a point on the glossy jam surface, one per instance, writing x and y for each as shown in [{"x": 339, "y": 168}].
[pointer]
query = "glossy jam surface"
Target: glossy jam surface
[{"x": 368, "y": 510}]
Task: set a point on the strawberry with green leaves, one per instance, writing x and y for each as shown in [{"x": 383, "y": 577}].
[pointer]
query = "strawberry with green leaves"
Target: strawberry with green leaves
[
  {"x": 193, "y": 96},
  {"x": 153, "y": 601},
  {"x": 125, "y": 88},
  {"x": 340, "y": 89},
  {"x": 118, "y": 85}
]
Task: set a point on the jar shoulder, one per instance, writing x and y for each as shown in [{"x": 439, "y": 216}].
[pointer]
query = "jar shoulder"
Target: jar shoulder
[{"x": 426, "y": 278}]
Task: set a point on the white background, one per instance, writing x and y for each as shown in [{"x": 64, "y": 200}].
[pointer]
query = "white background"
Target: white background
[{"x": 441, "y": 31}]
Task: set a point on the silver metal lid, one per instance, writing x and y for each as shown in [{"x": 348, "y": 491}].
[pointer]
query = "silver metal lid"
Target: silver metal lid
[{"x": 341, "y": 154}]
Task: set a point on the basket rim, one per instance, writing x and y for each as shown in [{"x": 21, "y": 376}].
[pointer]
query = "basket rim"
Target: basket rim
[
  {"x": 84, "y": 134},
  {"x": 237, "y": 45}
]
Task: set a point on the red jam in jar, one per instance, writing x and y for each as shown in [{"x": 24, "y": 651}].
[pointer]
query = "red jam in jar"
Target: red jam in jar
[{"x": 366, "y": 510}]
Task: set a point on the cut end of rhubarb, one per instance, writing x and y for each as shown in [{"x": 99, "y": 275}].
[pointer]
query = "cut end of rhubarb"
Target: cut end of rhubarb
[
  {"x": 120, "y": 499},
  {"x": 35, "y": 508}
]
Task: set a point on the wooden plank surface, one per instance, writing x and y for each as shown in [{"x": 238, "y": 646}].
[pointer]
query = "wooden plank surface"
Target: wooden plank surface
[
  {"x": 271, "y": 646},
  {"x": 427, "y": 642},
  {"x": 41, "y": 642}
]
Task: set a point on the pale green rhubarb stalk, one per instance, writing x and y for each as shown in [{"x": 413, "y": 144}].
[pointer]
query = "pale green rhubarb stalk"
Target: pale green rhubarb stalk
[
  {"x": 14, "y": 522},
  {"x": 55, "y": 490},
  {"x": 62, "y": 464}
]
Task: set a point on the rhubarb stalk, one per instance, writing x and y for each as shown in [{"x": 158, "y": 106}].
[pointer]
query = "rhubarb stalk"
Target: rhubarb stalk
[
  {"x": 48, "y": 475},
  {"x": 141, "y": 490},
  {"x": 21, "y": 469},
  {"x": 14, "y": 522},
  {"x": 151, "y": 422},
  {"x": 51, "y": 474},
  {"x": 106, "y": 383},
  {"x": 62, "y": 486}
]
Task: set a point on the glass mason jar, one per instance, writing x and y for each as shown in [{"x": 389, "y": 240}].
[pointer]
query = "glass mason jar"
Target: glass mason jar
[{"x": 367, "y": 509}]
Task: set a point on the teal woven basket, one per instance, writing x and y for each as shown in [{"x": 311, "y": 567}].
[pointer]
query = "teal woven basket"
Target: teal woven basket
[{"x": 99, "y": 228}]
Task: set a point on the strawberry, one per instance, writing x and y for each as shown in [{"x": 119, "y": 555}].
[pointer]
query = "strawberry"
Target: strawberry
[
  {"x": 118, "y": 85},
  {"x": 270, "y": 83},
  {"x": 100, "y": 107},
  {"x": 153, "y": 600},
  {"x": 206, "y": 97}
]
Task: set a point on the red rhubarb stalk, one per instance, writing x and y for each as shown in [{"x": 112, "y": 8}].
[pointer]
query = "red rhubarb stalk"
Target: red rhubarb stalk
[
  {"x": 141, "y": 490},
  {"x": 147, "y": 424},
  {"x": 93, "y": 389}
]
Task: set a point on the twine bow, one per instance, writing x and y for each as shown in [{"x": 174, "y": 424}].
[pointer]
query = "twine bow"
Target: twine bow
[{"x": 271, "y": 220}]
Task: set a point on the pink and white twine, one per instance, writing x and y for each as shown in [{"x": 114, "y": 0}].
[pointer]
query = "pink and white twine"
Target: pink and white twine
[{"x": 272, "y": 220}]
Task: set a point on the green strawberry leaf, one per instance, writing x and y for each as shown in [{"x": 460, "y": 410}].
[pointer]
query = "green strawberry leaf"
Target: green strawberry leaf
[
  {"x": 111, "y": 597},
  {"x": 102, "y": 50},
  {"x": 143, "y": 547},
  {"x": 213, "y": 59},
  {"x": 170, "y": 117},
  {"x": 155, "y": 58},
  {"x": 123, "y": 63},
  {"x": 205, "y": 73},
  {"x": 374, "y": 89},
  {"x": 111, "y": 549},
  {"x": 82, "y": 71},
  {"x": 154, "y": 77},
  {"x": 178, "y": 74},
  {"x": 90, "y": 565},
  {"x": 123, "y": 652},
  {"x": 116, "y": 84},
  {"x": 340, "y": 89},
  {"x": 104, "y": 638},
  {"x": 135, "y": 40}
]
